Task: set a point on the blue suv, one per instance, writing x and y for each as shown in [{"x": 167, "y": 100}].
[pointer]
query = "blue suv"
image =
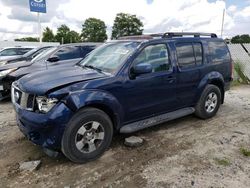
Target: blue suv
[{"x": 121, "y": 87}]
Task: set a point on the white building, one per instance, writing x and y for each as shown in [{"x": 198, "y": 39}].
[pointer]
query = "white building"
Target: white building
[{"x": 4, "y": 44}]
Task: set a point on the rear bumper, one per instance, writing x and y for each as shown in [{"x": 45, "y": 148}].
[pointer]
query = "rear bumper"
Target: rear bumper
[
  {"x": 227, "y": 86},
  {"x": 45, "y": 130}
]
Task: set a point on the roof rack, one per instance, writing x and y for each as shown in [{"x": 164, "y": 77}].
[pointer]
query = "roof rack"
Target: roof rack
[
  {"x": 142, "y": 37},
  {"x": 166, "y": 35},
  {"x": 136, "y": 37},
  {"x": 181, "y": 34}
]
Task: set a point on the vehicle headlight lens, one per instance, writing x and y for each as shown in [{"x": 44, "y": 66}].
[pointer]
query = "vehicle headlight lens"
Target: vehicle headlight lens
[
  {"x": 6, "y": 72},
  {"x": 45, "y": 104}
]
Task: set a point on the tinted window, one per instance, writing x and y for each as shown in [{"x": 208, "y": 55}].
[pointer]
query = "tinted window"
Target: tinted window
[
  {"x": 189, "y": 54},
  {"x": 22, "y": 51},
  {"x": 198, "y": 53},
  {"x": 69, "y": 52},
  {"x": 185, "y": 55},
  {"x": 218, "y": 51},
  {"x": 86, "y": 50},
  {"x": 156, "y": 55}
]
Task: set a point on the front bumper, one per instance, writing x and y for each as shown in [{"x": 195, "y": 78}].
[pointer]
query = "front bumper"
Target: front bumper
[{"x": 45, "y": 130}]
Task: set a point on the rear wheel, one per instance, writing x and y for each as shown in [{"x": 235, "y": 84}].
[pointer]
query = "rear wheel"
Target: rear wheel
[
  {"x": 87, "y": 136},
  {"x": 209, "y": 102}
]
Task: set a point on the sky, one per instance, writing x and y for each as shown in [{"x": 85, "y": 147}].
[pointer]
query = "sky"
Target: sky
[{"x": 157, "y": 15}]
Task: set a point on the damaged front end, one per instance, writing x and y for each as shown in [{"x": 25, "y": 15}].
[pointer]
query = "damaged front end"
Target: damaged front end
[{"x": 5, "y": 87}]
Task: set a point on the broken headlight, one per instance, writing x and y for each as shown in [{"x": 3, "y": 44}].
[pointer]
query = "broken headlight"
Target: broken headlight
[{"x": 45, "y": 104}]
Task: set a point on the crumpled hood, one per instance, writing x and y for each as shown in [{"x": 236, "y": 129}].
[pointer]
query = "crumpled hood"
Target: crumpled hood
[
  {"x": 18, "y": 64},
  {"x": 40, "y": 83}
]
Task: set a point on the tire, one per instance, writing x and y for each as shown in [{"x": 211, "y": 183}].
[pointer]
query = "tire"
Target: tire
[
  {"x": 204, "y": 108},
  {"x": 83, "y": 139}
]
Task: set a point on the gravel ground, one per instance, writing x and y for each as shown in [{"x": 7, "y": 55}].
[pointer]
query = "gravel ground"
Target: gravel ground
[{"x": 188, "y": 152}]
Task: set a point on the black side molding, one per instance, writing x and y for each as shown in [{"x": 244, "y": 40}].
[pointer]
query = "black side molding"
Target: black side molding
[{"x": 136, "y": 126}]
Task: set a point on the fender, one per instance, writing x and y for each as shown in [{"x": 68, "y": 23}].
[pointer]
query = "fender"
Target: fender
[
  {"x": 212, "y": 77},
  {"x": 94, "y": 97}
]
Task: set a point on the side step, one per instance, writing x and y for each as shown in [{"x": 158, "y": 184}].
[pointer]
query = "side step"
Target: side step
[{"x": 136, "y": 126}]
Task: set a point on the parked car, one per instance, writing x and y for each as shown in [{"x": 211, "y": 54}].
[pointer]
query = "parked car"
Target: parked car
[
  {"x": 26, "y": 57},
  {"x": 13, "y": 52},
  {"x": 55, "y": 57},
  {"x": 123, "y": 86}
]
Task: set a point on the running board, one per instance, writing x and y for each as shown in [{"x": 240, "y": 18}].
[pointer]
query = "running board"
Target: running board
[{"x": 136, "y": 126}]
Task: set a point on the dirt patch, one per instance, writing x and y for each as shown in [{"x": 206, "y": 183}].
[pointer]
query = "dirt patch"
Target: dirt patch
[{"x": 188, "y": 152}]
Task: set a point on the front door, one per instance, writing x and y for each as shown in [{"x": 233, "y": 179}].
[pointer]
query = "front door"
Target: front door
[{"x": 152, "y": 93}]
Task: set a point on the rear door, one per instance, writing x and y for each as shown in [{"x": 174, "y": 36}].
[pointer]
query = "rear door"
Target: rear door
[{"x": 190, "y": 58}]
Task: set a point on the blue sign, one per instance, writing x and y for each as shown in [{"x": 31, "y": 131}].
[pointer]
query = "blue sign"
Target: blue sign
[{"x": 38, "y": 6}]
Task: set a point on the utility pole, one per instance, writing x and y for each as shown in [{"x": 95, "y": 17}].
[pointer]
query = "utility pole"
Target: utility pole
[
  {"x": 222, "y": 25},
  {"x": 38, "y": 6},
  {"x": 39, "y": 28}
]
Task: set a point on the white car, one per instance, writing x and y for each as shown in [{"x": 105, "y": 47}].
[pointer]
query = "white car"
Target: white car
[{"x": 11, "y": 52}]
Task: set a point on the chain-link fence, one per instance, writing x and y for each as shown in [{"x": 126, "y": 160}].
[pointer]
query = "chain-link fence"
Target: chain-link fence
[{"x": 240, "y": 54}]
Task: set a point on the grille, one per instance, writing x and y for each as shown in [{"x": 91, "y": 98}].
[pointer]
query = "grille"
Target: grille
[{"x": 22, "y": 99}]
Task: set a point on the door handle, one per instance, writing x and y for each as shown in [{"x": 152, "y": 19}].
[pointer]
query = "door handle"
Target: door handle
[{"x": 170, "y": 79}]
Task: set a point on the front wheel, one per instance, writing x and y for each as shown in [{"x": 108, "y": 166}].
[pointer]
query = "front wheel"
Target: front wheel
[
  {"x": 87, "y": 136},
  {"x": 209, "y": 102}
]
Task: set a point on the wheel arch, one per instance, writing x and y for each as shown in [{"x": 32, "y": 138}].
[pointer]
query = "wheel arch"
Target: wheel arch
[
  {"x": 214, "y": 78},
  {"x": 220, "y": 85},
  {"x": 109, "y": 111},
  {"x": 97, "y": 99}
]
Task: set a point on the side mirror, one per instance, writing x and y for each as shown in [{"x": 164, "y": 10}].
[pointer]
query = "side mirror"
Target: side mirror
[
  {"x": 53, "y": 59},
  {"x": 142, "y": 68}
]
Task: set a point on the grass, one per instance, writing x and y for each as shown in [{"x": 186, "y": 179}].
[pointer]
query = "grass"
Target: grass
[
  {"x": 235, "y": 83},
  {"x": 245, "y": 152},
  {"x": 242, "y": 78},
  {"x": 223, "y": 162}
]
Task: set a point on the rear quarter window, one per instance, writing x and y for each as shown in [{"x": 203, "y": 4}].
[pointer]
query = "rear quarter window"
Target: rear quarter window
[{"x": 218, "y": 51}]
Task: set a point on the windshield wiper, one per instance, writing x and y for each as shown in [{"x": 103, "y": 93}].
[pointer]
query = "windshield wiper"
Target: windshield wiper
[{"x": 94, "y": 68}]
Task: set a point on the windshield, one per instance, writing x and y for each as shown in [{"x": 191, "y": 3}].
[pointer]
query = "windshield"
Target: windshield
[
  {"x": 109, "y": 57},
  {"x": 44, "y": 54},
  {"x": 29, "y": 53}
]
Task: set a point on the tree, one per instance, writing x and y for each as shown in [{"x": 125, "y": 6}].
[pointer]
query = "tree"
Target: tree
[
  {"x": 48, "y": 35},
  {"x": 27, "y": 39},
  {"x": 65, "y": 35},
  {"x": 241, "y": 39},
  {"x": 74, "y": 37},
  {"x": 126, "y": 25},
  {"x": 94, "y": 30},
  {"x": 62, "y": 34}
]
